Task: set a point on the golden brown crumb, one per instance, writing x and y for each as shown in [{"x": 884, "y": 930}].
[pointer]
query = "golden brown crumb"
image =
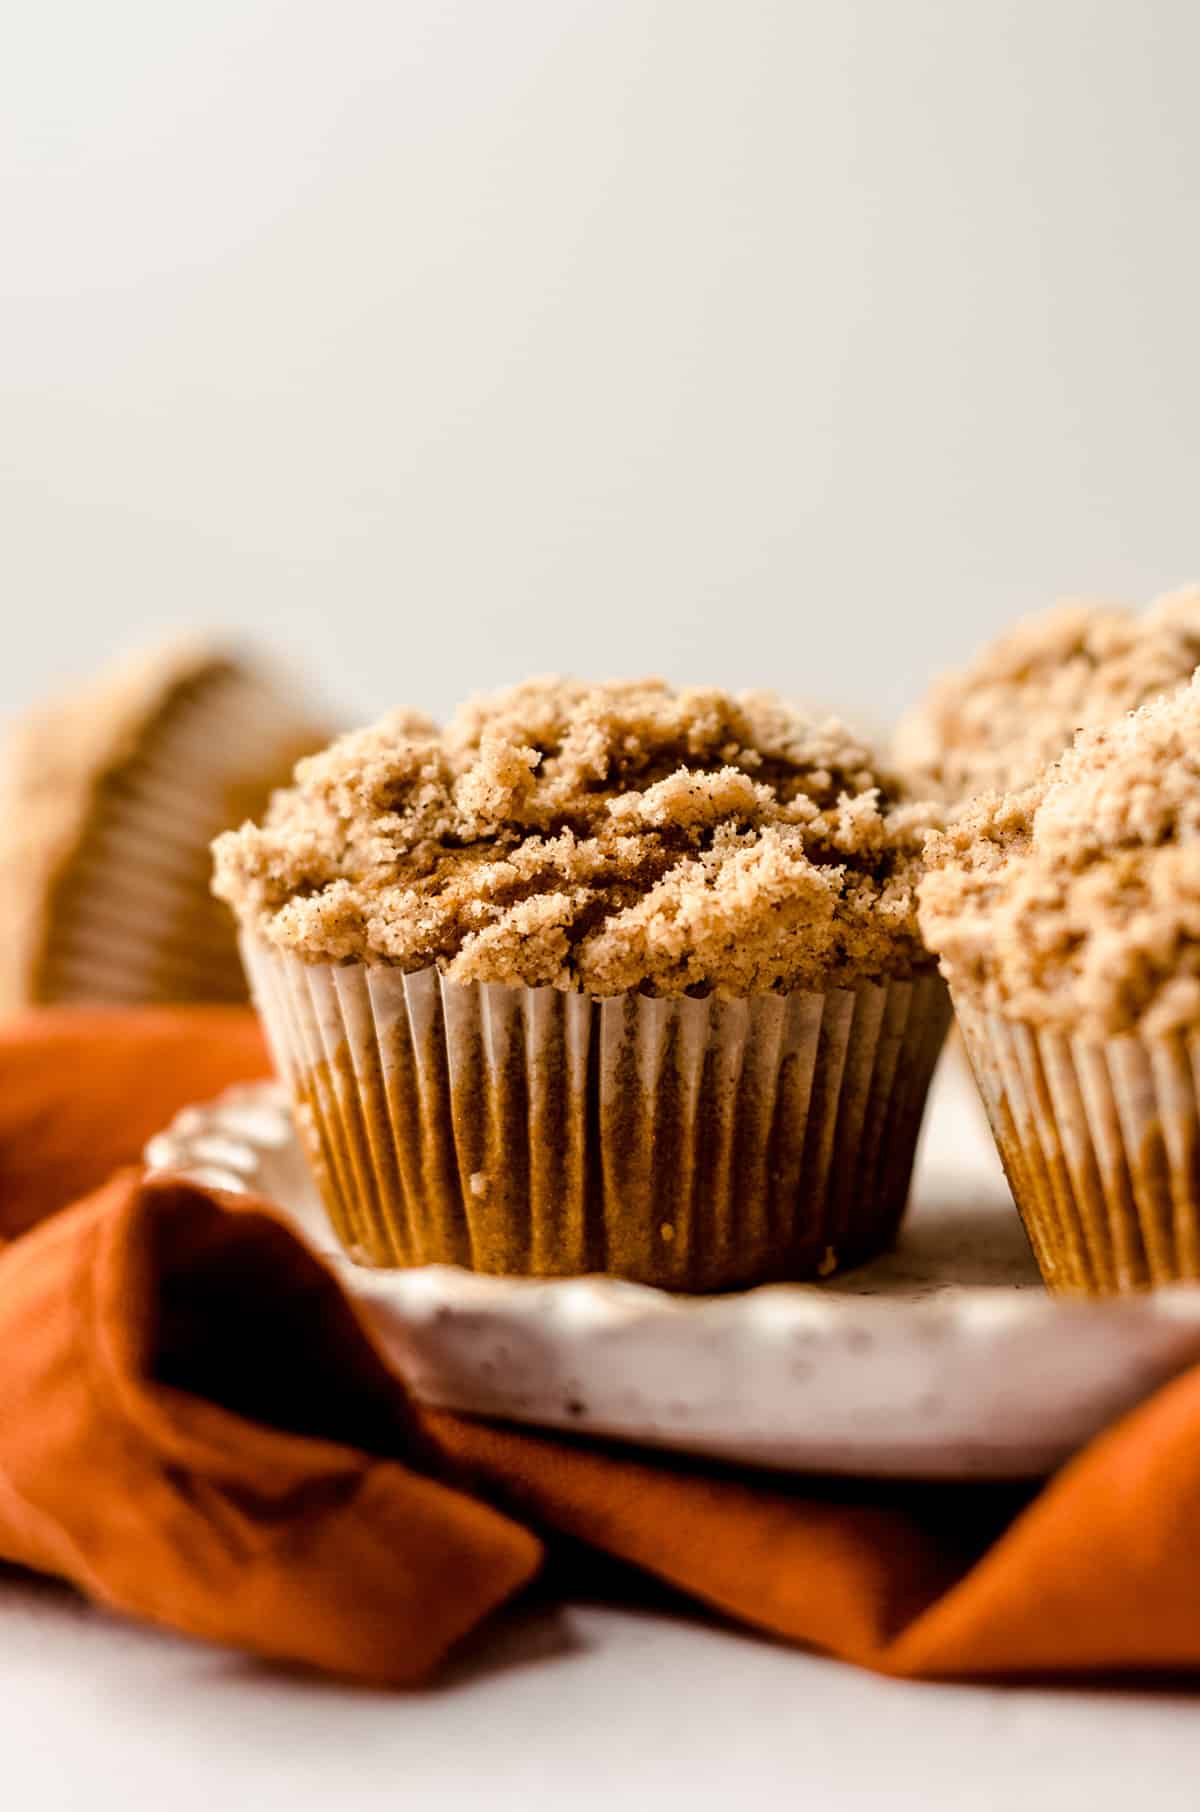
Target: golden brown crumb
[
  {"x": 997, "y": 724},
  {"x": 1076, "y": 903},
  {"x": 603, "y": 838}
]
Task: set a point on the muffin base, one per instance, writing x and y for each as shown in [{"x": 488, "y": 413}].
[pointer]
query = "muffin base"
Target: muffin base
[
  {"x": 1100, "y": 1141},
  {"x": 694, "y": 1144}
]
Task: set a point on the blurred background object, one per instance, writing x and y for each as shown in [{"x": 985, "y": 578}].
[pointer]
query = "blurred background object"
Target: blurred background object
[
  {"x": 446, "y": 343},
  {"x": 995, "y": 723},
  {"x": 109, "y": 798}
]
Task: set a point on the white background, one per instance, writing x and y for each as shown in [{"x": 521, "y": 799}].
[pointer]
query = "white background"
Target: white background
[
  {"x": 739, "y": 339},
  {"x": 744, "y": 340}
]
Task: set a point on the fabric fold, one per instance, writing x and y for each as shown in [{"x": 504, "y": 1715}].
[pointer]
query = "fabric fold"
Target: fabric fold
[{"x": 198, "y": 1432}]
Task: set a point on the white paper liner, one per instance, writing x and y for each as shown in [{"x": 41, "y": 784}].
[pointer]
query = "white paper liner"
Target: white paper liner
[
  {"x": 133, "y": 918},
  {"x": 695, "y": 1144},
  {"x": 1100, "y": 1140}
]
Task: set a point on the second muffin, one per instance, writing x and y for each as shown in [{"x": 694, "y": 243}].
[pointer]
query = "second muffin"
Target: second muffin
[
  {"x": 604, "y": 978},
  {"x": 994, "y": 726},
  {"x": 1067, "y": 918}
]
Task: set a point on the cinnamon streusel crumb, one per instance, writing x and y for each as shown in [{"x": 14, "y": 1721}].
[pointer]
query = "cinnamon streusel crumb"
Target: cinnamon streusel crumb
[
  {"x": 601, "y": 838},
  {"x": 996, "y": 725},
  {"x": 1076, "y": 903}
]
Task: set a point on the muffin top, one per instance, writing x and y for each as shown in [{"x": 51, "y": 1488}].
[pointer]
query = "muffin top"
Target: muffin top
[
  {"x": 995, "y": 726},
  {"x": 604, "y": 838},
  {"x": 1077, "y": 902}
]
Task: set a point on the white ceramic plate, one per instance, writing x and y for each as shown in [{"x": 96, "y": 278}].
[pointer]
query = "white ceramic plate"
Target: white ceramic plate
[{"x": 943, "y": 1359}]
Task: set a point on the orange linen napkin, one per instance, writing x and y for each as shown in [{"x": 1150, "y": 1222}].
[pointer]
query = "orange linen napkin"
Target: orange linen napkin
[{"x": 195, "y": 1429}]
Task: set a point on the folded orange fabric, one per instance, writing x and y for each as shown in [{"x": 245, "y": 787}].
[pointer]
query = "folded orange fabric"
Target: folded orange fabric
[
  {"x": 195, "y": 1429},
  {"x": 82, "y": 1092}
]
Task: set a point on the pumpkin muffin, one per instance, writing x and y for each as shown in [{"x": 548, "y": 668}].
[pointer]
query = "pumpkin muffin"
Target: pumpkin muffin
[
  {"x": 598, "y": 978},
  {"x": 996, "y": 725},
  {"x": 1067, "y": 920},
  {"x": 109, "y": 799}
]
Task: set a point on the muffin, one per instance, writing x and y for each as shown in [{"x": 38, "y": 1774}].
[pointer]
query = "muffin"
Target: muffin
[
  {"x": 995, "y": 726},
  {"x": 1067, "y": 920},
  {"x": 609, "y": 978},
  {"x": 109, "y": 799}
]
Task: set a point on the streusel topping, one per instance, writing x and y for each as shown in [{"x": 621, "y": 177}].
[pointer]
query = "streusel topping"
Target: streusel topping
[
  {"x": 996, "y": 725},
  {"x": 602, "y": 838},
  {"x": 1076, "y": 903}
]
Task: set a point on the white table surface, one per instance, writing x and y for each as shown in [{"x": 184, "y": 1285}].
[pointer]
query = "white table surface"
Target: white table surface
[{"x": 556, "y": 1707}]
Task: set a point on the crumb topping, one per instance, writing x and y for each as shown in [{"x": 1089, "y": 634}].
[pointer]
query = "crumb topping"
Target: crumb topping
[
  {"x": 996, "y": 725},
  {"x": 604, "y": 838},
  {"x": 1076, "y": 902}
]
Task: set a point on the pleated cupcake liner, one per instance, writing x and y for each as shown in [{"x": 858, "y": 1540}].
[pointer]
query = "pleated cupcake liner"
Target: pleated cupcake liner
[
  {"x": 698, "y": 1145},
  {"x": 132, "y": 918},
  {"x": 1100, "y": 1141}
]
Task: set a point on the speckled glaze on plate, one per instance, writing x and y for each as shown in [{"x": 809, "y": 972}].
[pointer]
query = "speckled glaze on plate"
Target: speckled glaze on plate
[{"x": 945, "y": 1358}]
